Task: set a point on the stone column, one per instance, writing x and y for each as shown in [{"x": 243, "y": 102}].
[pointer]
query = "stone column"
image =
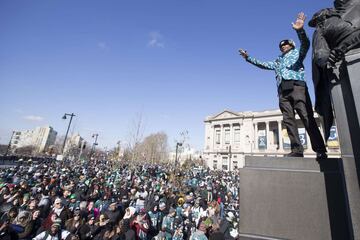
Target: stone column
[
  {"x": 280, "y": 136},
  {"x": 267, "y": 136},
  {"x": 222, "y": 136},
  {"x": 232, "y": 134},
  {"x": 255, "y": 136}
]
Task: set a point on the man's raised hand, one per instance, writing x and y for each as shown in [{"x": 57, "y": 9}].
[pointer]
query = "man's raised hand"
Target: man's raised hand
[{"x": 300, "y": 20}]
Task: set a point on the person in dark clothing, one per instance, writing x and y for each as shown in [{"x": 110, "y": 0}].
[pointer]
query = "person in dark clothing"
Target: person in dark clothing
[
  {"x": 126, "y": 233},
  {"x": 154, "y": 220},
  {"x": 88, "y": 230},
  {"x": 215, "y": 233},
  {"x": 226, "y": 224},
  {"x": 61, "y": 211},
  {"x": 6, "y": 232},
  {"x": 293, "y": 91},
  {"x": 73, "y": 224},
  {"x": 36, "y": 221},
  {"x": 114, "y": 213}
]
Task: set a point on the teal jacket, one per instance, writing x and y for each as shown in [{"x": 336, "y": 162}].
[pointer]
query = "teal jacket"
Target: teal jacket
[
  {"x": 198, "y": 235},
  {"x": 288, "y": 66}
]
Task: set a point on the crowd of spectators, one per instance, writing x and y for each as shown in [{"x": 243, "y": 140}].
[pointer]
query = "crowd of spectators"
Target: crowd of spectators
[{"x": 95, "y": 200}]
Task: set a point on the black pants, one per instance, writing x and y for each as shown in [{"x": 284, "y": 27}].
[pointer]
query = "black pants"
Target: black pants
[{"x": 298, "y": 99}]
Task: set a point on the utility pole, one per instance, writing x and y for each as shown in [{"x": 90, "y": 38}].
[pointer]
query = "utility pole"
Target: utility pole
[{"x": 95, "y": 135}]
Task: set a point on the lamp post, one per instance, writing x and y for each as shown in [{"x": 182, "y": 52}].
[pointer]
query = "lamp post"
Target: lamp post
[
  {"x": 95, "y": 135},
  {"x": 67, "y": 131}
]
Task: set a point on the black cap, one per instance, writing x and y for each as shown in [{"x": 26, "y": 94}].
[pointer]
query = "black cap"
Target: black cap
[{"x": 287, "y": 42}]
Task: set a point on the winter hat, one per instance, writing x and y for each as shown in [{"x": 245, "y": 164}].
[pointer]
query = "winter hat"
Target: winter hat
[
  {"x": 162, "y": 205},
  {"x": 57, "y": 222}
]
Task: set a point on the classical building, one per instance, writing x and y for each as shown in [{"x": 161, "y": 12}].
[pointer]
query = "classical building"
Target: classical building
[
  {"x": 41, "y": 138},
  {"x": 230, "y": 136}
]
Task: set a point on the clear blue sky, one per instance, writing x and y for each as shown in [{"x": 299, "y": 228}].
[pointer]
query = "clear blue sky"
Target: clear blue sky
[{"x": 174, "y": 61}]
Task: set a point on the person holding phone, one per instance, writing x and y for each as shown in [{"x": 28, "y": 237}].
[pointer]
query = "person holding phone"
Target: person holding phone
[{"x": 292, "y": 90}]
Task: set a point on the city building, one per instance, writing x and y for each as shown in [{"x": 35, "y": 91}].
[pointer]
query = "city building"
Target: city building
[
  {"x": 40, "y": 138},
  {"x": 184, "y": 153},
  {"x": 74, "y": 141},
  {"x": 230, "y": 136}
]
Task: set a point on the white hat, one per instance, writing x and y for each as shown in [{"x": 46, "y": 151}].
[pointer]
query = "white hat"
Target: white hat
[
  {"x": 129, "y": 213},
  {"x": 230, "y": 216}
]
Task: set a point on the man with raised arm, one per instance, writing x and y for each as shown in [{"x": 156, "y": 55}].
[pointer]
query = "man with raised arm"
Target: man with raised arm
[{"x": 292, "y": 90}]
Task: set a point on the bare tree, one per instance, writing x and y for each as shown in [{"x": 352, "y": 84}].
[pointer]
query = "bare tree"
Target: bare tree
[
  {"x": 183, "y": 139},
  {"x": 135, "y": 136},
  {"x": 154, "y": 148}
]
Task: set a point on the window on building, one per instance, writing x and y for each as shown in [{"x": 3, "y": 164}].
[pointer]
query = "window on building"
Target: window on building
[
  {"x": 215, "y": 164},
  {"x": 237, "y": 135},
  {"x": 224, "y": 163},
  {"x": 235, "y": 165},
  {"x": 227, "y": 136},
  {"x": 217, "y": 136}
]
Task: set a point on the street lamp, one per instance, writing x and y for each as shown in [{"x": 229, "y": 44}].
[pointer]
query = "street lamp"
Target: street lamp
[
  {"x": 67, "y": 131},
  {"x": 95, "y": 135}
]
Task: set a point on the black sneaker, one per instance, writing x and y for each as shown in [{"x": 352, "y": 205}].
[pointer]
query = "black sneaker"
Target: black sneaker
[
  {"x": 294, "y": 154},
  {"x": 321, "y": 156}
]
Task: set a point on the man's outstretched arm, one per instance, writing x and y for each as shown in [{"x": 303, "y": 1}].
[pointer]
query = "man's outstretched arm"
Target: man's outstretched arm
[{"x": 264, "y": 65}]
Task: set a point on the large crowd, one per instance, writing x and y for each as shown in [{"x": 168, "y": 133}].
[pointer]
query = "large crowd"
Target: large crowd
[{"x": 95, "y": 200}]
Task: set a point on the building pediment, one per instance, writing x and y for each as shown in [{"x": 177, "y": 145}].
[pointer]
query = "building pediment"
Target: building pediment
[{"x": 226, "y": 115}]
